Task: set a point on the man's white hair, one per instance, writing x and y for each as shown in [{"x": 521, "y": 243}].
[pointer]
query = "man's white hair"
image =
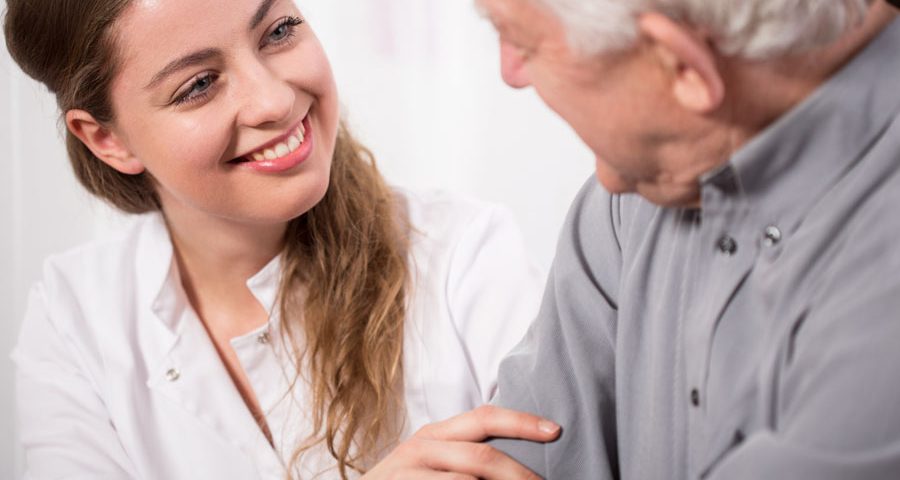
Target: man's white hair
[{"x": 755, "y": 29}]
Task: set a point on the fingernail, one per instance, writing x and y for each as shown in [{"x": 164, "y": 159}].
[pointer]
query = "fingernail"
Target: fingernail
[{"x": 547, "y": 426}]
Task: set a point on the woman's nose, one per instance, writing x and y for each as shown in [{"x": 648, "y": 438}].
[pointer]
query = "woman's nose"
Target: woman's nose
[
  {"x": 266, "y": 97},
  {"x": 512, "y": 66}
]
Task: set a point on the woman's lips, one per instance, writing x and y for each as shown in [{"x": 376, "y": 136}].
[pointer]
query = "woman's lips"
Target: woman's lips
[
  {"x": 281, "y": 154},
  {"x": 279, "y": 148}
]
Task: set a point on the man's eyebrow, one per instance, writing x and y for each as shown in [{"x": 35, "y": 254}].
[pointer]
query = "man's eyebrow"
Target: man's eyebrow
[
  {"x": 182, "y": 63},
  {"x": 261, "y": 13}
]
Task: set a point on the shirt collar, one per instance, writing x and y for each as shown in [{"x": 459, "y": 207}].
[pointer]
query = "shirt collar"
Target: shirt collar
[
  {"x": 160, "y": 289},
  {"x": 785, "y": 169},
  {"x": 160, "y": 282},
  {"x": 264, "y": 285}
]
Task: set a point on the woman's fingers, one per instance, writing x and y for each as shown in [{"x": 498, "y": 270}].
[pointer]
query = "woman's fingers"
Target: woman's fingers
[
  {"x": 450, "y": 450},
  {"x": 479, "y": 460},
  {"x": 432, "y": 475},
  {"x": 489, "y": 421},
  {"x": 424, "y": 474}
]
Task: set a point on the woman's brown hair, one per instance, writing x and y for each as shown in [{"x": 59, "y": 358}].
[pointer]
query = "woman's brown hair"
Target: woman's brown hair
[{"x": 342, "y": 297}]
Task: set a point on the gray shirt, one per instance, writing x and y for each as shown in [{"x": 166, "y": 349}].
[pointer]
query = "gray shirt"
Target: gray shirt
[{"x": 757, "y": 338}]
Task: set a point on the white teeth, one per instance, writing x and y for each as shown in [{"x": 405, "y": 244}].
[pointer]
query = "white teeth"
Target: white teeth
[
  {"x": 282, "y": 150},
  {"x": 292, "y": 143}
]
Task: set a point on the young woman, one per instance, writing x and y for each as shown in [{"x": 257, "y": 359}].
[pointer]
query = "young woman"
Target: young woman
[{"x": 277, "y": 311}]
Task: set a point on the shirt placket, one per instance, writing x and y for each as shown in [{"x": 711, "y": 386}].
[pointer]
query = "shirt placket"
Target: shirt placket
[
  {"x": 256, "y": 353},
  {"x": 722, "y": 258}
]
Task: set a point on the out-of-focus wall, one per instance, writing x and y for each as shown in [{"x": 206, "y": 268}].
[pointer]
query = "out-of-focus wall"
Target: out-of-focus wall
[
  {"x": 8, "y": 323},
  {"x": 420, "y": 83},
  {"x": 41, "y": 211}
]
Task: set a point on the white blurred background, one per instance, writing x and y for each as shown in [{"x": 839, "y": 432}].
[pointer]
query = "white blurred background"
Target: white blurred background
[{"x": 420, "y": 83}]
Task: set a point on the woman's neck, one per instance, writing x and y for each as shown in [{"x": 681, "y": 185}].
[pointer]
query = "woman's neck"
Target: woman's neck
[
  {"x": 216, "y": 257},
  {"x": 222, "y": 251}
]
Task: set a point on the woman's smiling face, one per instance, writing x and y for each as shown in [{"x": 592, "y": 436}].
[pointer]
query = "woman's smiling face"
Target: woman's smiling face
[{"x": 230, "y": 105}]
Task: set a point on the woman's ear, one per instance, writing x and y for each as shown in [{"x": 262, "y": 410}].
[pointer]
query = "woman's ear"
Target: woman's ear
[
  {"x": 105, "y": 144},
  {"x": 697, "y": 82}
]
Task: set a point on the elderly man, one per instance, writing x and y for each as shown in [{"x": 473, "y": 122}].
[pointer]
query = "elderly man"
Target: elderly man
[{"x": 727, "y": 305}]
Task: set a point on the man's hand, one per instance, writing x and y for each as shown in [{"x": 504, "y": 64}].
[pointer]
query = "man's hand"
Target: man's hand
[{"x": 451, "y": 449}]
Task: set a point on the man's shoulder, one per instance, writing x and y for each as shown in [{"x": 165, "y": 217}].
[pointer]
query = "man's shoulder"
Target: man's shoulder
[
  {"x": 860, "y": 226},
  {"x": 600, "y": 223},
  {"x": 844, "y": 253}
]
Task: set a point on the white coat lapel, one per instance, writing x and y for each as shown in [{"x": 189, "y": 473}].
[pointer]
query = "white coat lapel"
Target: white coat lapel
[{"x": 183, "y": 364}]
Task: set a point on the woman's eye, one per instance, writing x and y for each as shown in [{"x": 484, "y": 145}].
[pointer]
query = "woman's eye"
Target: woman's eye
[
  {"x": 279, "y": 33},
  {"x": 198, "y": 89},
  {"x": 283, "y": 31}
]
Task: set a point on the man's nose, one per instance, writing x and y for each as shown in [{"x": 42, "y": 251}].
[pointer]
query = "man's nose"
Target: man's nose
[{"x": 512, "y": 66}]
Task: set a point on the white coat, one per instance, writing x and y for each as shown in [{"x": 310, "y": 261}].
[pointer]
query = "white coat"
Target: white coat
[{"x": 117, "y": 378}]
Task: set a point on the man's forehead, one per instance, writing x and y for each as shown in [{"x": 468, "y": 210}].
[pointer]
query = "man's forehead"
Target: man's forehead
[
  {"x": 498, "y": 11},
  {"x": 512, "y": 16}
]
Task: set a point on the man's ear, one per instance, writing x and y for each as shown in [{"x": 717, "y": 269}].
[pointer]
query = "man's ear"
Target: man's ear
[
  {"x": 698, "y": 84},
  {"x": 105, "y": 144}
]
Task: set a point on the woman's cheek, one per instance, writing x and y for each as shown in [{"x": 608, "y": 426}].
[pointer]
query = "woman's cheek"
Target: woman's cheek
[{"x": 202, "y": 143}]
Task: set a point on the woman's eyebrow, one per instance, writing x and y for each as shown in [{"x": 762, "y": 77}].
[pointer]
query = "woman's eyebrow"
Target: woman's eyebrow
[
  {"x": 261, "y": 13},
  {"x": 207, "y": 54},
  {"x": 184, "y": 62}
]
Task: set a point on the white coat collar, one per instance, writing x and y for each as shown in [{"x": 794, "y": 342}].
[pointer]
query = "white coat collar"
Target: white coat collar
[
  {"x": 160, "y": 288},
  {"x": 185, "y": 366}
]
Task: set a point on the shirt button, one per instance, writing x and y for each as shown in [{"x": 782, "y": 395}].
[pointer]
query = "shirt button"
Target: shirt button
[
  {"x": 263, "y": 338},
  {"x": 771, "y": 236},
  {"x": 727, "y": 245},
  {"x": 173, "y": 374},
  {"x": 695, "y": 397}
]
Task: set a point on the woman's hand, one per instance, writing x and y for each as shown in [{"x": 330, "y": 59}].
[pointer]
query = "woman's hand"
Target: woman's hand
[{"x": 451, "y": 449}]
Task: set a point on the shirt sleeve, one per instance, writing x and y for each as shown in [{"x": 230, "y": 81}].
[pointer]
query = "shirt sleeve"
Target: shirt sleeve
[
  {"x": 838, "y": 389},
  {"x": 64, "y": 427},
  {"x": 564, "y": 369},
  {"x": 493, "y": 291}
]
